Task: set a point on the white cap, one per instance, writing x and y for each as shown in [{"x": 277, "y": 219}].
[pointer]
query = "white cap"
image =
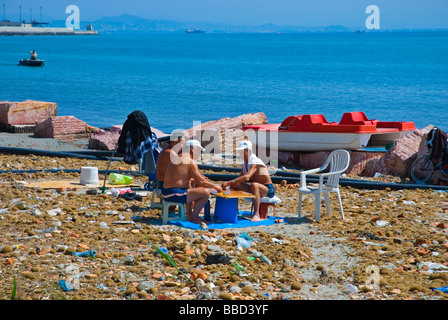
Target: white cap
[
  {"x": 194, "y": 143},
  {"x": 244, "y": 145},
  {"x": 176, "y": 134}
]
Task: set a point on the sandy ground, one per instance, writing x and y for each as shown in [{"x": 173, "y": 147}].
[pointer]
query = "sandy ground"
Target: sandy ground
[{"x": 392, "y": 244}]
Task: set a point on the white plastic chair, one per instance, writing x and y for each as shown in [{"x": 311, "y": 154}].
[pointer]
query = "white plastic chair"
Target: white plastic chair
[{"x": 338, "y": 160}]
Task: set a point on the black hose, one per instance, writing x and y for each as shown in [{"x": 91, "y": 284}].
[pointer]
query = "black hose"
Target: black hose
[
  {"x": 60, "y": 154},
  {"x": 354, "y": 183},
  {"x": 290, "y": 177},
  {"x": 125, "y": 172}
]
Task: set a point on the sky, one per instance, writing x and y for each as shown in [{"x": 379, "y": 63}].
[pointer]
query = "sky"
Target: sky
[{"x": 394, "y": 14}]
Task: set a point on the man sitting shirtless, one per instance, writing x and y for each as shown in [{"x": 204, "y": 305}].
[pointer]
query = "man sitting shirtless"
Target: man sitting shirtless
[
  {"x": 254, "y": 178},
  {"x": 177, "y": 140},
  {"x": 177, "y": 180}
]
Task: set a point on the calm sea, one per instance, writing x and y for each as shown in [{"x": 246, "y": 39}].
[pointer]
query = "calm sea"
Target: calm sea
[{"x": 180, "y": 78}]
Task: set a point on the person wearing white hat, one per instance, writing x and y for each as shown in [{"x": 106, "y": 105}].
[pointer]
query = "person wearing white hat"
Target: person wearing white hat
[
  {"x": 195, "y": 144},
  {"x": 176, "y": 185},
  {"x": 254, "y": 177}
]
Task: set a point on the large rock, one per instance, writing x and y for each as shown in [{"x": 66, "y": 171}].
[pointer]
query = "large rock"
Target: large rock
[
  {"x": 28, "y": 112},
  {"x": 289, "y": 158},
  {"x": 362, "y": 163},
  {"x": 65, "y": 128},
  {"x": 230, "y": 123},
  {"x": 398, "y": 159},
  {"x": 226, "y": 133},
  {"x": 107, "y": 140}
]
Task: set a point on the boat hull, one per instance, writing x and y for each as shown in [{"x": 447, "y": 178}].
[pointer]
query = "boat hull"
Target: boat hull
[
  {"x": 386, "y": 138},
  {"x": 307, "y": 141},
  {"x": 31, "y": 63},
  {"x": 312, "y": 132}
]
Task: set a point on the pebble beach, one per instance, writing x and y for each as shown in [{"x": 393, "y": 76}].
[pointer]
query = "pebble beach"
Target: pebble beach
[{"x": 392, "y": 244}]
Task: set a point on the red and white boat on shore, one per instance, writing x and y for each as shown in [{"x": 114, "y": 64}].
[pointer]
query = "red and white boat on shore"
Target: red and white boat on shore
[{"x": 312, "y": 132}]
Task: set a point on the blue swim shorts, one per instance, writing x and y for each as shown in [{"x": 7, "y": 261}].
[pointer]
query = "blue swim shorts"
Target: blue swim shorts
[
  {"x": 175, "y": 195},
  {"x": 271, "y": 190}
]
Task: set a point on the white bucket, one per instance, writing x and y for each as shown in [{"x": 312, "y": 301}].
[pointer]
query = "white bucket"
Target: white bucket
[{"x": 89, "y": 175}]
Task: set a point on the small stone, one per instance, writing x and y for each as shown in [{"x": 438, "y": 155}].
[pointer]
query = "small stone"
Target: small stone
[
  {"x": 22, "y": 205},
  {"x": 235, "y": 289},
  {"x": 130, "y": 290},
  {"x": 421, "y": 241},
  {"x": 423, "y": 252},
  {"x": 296, "y": 285},
  {"x": 145, "y": 286},
  {"x": 83, "y": 246},
  {"x": 6, "y": 249},
  {"x": 28, "y": 274},
  {"x": 225, "y": 296},
  {"x": 248, "y": 290},
  {"x": 184, "y": 290}
]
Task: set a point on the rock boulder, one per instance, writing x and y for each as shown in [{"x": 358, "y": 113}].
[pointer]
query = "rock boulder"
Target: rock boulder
[
  {"x": 107, "y": 140},
  {"x": 27, "y": 112},
  {"x": 398, "y": 159},
  {"x": 226, "y": 132},
  {"x": 65, "y": 128}
]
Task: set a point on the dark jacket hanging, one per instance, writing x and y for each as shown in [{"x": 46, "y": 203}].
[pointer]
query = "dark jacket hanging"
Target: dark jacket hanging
[
  {"x": 139, "y": 130},
  {"x": 437, "y": 143}
]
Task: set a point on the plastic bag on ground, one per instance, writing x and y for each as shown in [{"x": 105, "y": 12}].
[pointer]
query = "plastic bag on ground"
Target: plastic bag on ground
[{"x": 116, "y": 178}]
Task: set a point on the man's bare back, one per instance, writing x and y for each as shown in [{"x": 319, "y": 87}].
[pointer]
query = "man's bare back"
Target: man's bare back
[
  {"x": 162, "y": 163},
  {"x": 178, "y": 175}
]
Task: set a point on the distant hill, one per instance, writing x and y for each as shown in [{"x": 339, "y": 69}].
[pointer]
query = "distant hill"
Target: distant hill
[{"x": 133, "y": 24}]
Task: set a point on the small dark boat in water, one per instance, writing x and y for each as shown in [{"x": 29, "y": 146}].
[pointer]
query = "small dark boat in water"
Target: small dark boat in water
[
  {"x": 31, "y": 62},
  {"x": 194, "y": 31}
]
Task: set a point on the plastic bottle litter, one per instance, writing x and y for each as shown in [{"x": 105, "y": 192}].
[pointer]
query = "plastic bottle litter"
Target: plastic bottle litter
[
  {"x": 65, "y": 286},
  {"x": 352, "y": 288},
  {"x": 116, "y": 178},
  {"x": 164, "y": 250},
  {"x": 443, "y": 289},
  {"x": 82, "y": 274},
  {"x": 104, "y": 225},
  {"x": 381, "y": 223},
  {"x": 243, "y": 241},
  {"x": 257, "y": 254},
  {"x": 114, "y": 192},
  {"x": 432, "y": 266},
  {"x": 88, "y": 253}
]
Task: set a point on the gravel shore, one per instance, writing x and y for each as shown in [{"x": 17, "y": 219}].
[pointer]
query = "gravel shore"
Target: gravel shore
[{"x": 392, "y": 244}]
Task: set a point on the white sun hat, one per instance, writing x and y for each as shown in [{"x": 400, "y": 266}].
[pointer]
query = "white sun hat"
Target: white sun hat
[
  {"x": 194, "y": 143},
  {"x": 244, "y": 145}
]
